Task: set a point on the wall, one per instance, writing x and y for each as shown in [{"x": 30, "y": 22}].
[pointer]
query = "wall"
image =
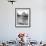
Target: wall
[{"x": 8, "y": 31}]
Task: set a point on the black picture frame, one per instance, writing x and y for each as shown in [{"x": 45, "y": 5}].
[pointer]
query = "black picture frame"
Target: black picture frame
[{"x": 21, "y": 12}]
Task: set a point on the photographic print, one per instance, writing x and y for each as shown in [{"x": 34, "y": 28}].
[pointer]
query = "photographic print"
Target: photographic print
[{"x": 22, "y": 17}]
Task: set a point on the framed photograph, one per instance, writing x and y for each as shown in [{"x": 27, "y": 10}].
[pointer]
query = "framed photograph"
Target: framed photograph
[{"x": 22, "y": 17}]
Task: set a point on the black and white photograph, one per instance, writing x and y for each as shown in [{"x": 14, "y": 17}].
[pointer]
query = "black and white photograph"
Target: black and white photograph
[
  {"x": 22, "y": 17},
  {"x": 22, "y": 22}
]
